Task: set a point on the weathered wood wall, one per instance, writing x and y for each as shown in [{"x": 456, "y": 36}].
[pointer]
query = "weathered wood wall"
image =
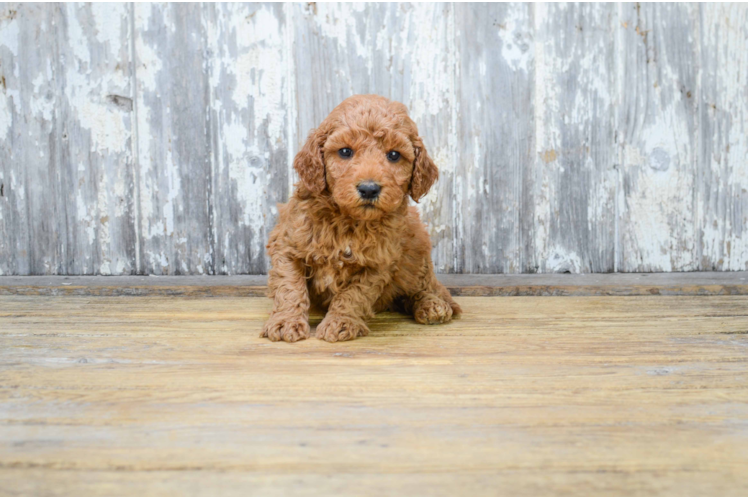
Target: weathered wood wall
[{"x": 157, "y": 139}]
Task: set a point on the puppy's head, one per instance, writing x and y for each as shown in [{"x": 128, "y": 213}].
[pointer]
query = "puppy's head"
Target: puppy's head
[{"x": 368, "y": 155}]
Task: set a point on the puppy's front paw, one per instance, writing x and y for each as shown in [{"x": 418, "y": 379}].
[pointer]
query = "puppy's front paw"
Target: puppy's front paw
[
  {"x": 338, "y": 328},
  {"x": 290, "y": 329},
  {"x": 432, "y": 310}
]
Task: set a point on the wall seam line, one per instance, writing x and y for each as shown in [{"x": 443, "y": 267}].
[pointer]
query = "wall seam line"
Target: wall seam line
[
  {"x": 454, "y": 137},
  {"x": 134, "y": 146},
  {"x": 618, "y": 143}
]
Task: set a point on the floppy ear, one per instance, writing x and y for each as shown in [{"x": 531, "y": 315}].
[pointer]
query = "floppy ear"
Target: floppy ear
[
  {"x": 425, "y": 172},
  {"x": 310, "y": 162}
]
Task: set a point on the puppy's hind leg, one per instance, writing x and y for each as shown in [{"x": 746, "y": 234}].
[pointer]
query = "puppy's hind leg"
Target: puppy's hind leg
[
  {"x": 434, "y": 305},
  {"x": 289, "y": 319}
]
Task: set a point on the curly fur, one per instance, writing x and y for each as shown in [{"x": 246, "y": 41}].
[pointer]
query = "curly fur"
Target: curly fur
[{"x": 352, "y": 257}]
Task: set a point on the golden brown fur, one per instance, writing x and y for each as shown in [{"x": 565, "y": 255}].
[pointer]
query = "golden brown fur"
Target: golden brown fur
[{"x": 351, "y": 256}]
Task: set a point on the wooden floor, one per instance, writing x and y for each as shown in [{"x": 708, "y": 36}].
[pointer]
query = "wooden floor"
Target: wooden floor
[{"x": 521, "y": 396}]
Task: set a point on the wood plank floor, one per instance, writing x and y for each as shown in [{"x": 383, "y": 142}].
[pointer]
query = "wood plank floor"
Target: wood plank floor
[{"x": 521, "y": 396}]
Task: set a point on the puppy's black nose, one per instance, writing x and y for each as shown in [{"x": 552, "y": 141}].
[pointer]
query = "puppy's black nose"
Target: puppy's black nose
[{"x": 369, "y": 190}]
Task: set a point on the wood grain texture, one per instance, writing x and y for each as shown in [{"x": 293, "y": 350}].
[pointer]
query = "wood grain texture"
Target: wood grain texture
[
  {"x": 174, "y": 162},
  {"x": 722, "y": 200},
  {"x": 32, "y": 216},
  {"x": 573, "y": 215},
  {"x": 248, "y": 65},
  {"x": 658, "y": 69},
  {"x": 158, "y": 139},
  {"x": 95, "y": 165},
  {"x": 521, "y": 396},
  {"x": 65, "y": 120},
  {"x": 494, "y": 184}
]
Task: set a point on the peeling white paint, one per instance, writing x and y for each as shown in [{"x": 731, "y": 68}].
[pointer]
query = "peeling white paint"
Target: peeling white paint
[
  {"x": 249, "y": 179},
  {"x": 104, "y": 269},
  {"x": 85, "y": 217},
  {"x": 6, "y": 118},
  {"x": 9, "y": 34},
  {"x": 249, "y": 75},
  {"x": 290, "y": 97},
  {"x": 338, "y": 23},
  {"x": 545, "y": 136},
  {"x": 563, "y": 260},
  {"x": 149, "y": 62},
  {"x": 516, "y": 41},
  {"x": 173, "y": 195},
  {"x": 41, "y": 104},
  {"x": 429, "y": 57},
  {"x": 78, "y": 39},
  {"x": 658, "y": 165},
  {"x": 723, "y": 208},
  {"x": 108, "y": 20},
  {"x": 108, "y": 130},
  {"x": 672, "y": 212},
  {"x": 121, "y": 267},
  {"x": 258, "y": 74}
]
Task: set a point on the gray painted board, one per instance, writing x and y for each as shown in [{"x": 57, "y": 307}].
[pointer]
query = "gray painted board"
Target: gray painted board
[
  {"x": 158, "y": 138},
  {"x": 722, "y": 173},
  {"x": 66, "y": 202},
  {"x": 94, "y": 165},
  {"x": 174, "y": 167},
  {"x": 31, "y": 242},
  {"x": 575, "y": 155},
  {"x": 658, "y": 51},
  {"x": 249, "y": 76},
  {"x": 496, "y": 135}
]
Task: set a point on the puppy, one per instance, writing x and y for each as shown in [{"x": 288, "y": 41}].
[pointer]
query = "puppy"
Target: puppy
[{"x": 347, "y": 239}]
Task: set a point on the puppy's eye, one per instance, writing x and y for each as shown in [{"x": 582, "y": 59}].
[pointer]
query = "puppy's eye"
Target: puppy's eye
[
  {"x": 345, "y": 152},
  {"x": 393, "y": 156}
]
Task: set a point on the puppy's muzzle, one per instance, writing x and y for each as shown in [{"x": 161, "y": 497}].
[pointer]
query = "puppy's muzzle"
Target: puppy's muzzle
[{"x": 369, "y": 190}]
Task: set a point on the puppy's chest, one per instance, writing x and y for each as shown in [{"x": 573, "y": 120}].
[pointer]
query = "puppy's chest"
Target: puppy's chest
[{"x": 332, "y": 266}]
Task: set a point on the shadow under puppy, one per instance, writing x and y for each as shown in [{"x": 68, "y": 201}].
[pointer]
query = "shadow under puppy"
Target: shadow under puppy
[{"x": 347, "y": 240}]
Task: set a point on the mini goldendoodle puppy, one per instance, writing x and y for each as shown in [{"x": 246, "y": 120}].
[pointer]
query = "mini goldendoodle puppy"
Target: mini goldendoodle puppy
[{"x": 347, "y": 239}]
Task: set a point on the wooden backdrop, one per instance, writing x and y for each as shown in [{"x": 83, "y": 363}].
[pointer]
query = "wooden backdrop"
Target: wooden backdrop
[{"x": 142, "y": 138}]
